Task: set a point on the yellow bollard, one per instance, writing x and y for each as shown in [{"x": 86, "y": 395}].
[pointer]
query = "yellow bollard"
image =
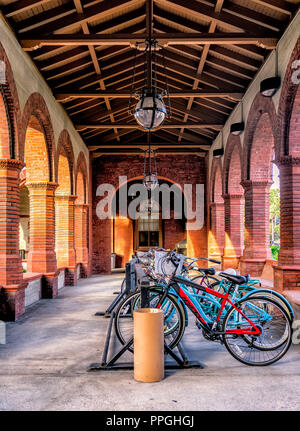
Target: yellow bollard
[{"x": 148, "y": 345}]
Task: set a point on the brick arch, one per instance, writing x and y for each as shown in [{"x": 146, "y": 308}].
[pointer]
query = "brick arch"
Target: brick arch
[
  {"x": 261, "y": 128},
  {"x": 36, "y": 106},
  {"x": 35, "y": 152},
  {"x": 289, "y": 100},
  {"x": 232, "y": 167},
  {"x": 11, "y": 111},
  {"x": 81, "y": 178},
  {"x": 216, "y": 186},
  {"x": 64, "y": 159}
]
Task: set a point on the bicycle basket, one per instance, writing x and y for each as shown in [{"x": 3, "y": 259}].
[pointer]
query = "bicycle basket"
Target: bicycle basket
[{"x": 163, "y": 265}]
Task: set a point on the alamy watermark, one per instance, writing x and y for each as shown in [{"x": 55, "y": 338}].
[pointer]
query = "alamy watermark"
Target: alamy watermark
[
  {"x": 296, "y": 74},
  {"x": 187, "y": 202}
]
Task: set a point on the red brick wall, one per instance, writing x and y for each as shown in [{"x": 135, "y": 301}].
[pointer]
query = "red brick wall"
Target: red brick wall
[{"x": 178, "y": 169}]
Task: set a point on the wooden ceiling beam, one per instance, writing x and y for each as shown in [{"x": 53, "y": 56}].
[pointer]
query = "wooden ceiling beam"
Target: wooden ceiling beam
[
  {"x": 258, "y": 51},
  {"x": 104, "y": 9},
  {"x": 21, "y": 6},
  {"x": 35, "y": 41},
  {"x": 190, "y": 125},
  {"x": 197, "y": 8},
  {"x": 63, "y": 96},
  {"x": 278, "y": 6}
]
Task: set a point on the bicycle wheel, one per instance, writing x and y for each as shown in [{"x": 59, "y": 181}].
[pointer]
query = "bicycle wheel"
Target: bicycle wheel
[
  {"x": 272, "y": 320},
  {"x": 275, "y": 297},
  {"x": 174, "y": 318}
]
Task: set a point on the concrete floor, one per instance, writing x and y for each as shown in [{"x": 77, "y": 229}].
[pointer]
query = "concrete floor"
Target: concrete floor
[{"x": 43, "y": 365}]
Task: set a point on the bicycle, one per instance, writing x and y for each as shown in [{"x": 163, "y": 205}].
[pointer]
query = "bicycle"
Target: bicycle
[{"x": 256, "y": 331}]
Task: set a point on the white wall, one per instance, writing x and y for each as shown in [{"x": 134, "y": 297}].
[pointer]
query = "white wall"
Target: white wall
[{"x": 284, "y": 48}]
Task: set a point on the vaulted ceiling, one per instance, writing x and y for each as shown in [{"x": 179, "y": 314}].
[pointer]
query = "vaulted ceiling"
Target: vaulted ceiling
[{"x": 86, "y": 52}]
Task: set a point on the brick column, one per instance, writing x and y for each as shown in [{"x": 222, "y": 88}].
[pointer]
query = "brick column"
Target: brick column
[
  {"x": 233, "y": 216},
  {"x": 257, "y": 227},
  {"x": 81, "y": 220},
  {"x": 287, "y": 273},
  {"x": 41, "y": 256},
  {"x": 216, "y": 235},
  {"x": 11, "y": 272},
  {"x": 64, "y": 242}
]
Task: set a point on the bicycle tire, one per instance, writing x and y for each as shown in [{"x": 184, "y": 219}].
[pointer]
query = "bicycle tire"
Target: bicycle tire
[
  {"x": 172, "y": 336},
  {"x": 237, "y": 351}
]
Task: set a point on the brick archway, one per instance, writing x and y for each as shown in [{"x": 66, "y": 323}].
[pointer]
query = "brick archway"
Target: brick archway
[
  {"x": 233, "y": 203},
  {"x": 81, "y": 214},
  {"x": 289, "y": 91},
  {"x": 216, "y": 211},
  {"x": 287, "y": 273},
  {"x": 64, "y": 150},
  {"x": 261, "y": 126},
  {"x": 260, "y": 144},
  {"x": 36, "y": 106},
  {"x": 232, "y": 166},
  {"x": 64, "y": 207},
  {"x": 10, "y": 109},
  {"x": 81, "y": 168}
]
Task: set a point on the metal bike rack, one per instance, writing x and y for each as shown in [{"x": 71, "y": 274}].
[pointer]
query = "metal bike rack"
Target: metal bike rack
[
  {"x": 181, "y": 359},
  {"x": 130, "y": 287}
]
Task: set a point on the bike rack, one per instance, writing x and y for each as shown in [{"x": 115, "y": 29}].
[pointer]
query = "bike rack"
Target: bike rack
[
  {"x": 130, "y": 287},
  {"x": 181, "y": 360}
]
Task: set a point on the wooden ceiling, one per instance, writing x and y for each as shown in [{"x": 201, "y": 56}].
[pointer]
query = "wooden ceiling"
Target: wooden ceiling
[{"x": 85, "y": 51}]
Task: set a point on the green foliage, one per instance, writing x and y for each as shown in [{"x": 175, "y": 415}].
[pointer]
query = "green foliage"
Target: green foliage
[
  {"x": 274, "y": 216},
  {"x": 275, "y": 250}
]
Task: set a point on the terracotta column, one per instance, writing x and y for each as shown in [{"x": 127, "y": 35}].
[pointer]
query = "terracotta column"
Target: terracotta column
[
  {"x": 287, "y": 273},
  {"x": 81, "y": 220},
  {"x": 11, "y": 272},
  {"x": 216, "y": 234},
  {"x": 41, "y": 256},
  {"x": 257, "y": 227},
  {"x": 233, "y": 216},
  {"x": 64, "y": 236}
]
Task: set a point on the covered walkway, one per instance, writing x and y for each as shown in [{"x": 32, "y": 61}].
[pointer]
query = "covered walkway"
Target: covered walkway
[{"x": 43, "y": 365}]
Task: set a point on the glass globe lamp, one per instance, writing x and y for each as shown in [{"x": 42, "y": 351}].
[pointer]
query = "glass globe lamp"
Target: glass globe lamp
[{"x": 150, "y": 111}]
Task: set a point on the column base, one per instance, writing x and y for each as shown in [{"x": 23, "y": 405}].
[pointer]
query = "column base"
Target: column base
[
  {"x": 254, "y": 267},
  {"x": 50, "y": 285},
  {"x": 12, "y": 302},
  {"x": 230, "y": 262},
  {"x": 286, "y": 278},
  {"x": 71, "y": 276}
]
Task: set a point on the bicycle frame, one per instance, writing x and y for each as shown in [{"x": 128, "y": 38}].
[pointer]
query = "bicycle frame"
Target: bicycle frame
[{"x": 176, "y": 284}]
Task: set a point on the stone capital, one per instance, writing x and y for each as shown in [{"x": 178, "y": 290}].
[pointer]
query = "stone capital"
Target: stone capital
[
  {"x": 41, "y": 185},
  {"x": 287, "y": 161},
  {"x": 229, "y": 197},
  {"x": 250, "y": 184},
  {"x": 11, "y": 164}
]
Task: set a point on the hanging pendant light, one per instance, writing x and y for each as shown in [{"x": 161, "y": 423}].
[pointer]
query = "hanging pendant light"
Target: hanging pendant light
[
  {"x": 150, "y": 111},
  {"x": 150, "y": 180},
  {"x": 269, "y": 86}
]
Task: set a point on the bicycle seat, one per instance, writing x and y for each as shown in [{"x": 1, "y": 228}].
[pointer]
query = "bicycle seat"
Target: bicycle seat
[
  {"x": 207, "y": 271},
  {"x": 236, "y": 279}
]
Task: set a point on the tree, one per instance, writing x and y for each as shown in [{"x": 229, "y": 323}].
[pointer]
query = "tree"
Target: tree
[{"x": 274, "y": 216}]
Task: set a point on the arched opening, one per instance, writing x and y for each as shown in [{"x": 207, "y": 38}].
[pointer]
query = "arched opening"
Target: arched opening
[
  {"x": 37, "y": 176},
  {"x": 233, "y": 204},
  {"x": 24, "y": 236},
  {"x": 156, "y": 221},
  {"x": 81, "y": 217},
  {"x": 64, "y": 213},
  {"x": 216, "y": 216},
  {"x": 260, "y": 153}
]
